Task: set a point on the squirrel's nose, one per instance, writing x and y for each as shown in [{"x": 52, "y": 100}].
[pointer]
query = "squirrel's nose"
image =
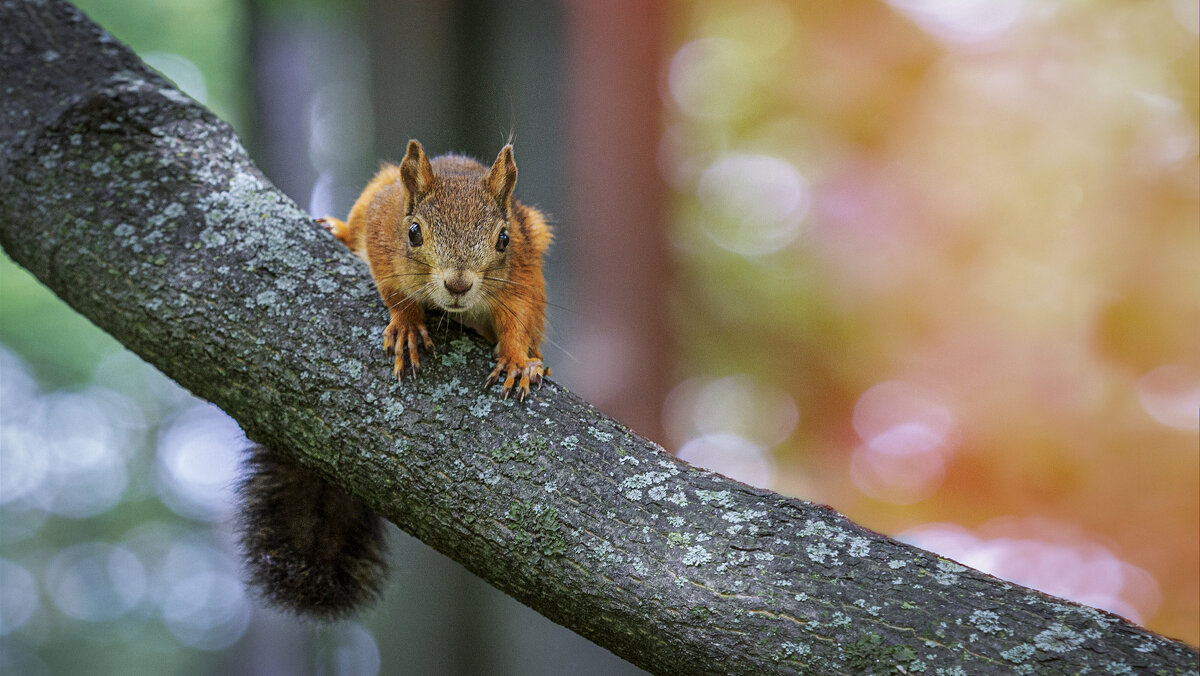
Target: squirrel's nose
[{"x": 458, "y": 286}]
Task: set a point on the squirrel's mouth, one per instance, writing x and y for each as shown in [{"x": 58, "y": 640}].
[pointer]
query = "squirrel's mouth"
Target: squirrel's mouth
[{"x": 454, "y": 306}]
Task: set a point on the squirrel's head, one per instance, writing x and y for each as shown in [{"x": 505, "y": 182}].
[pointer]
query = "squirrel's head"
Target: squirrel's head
[{"x": 458, "y": 228}]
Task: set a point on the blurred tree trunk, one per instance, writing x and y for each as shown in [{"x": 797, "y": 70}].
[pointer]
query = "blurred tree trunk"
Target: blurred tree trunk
[
  {"x": 281, "y": 83},
  {"x": 618, "y": 197},
  {"x": 310, "y": 121},
  {"x": 142, "y": 211}
]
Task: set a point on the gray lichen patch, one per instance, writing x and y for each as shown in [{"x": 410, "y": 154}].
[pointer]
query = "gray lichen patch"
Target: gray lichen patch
[
  {"x": 718, "y": 498},
  {"x": 482, "y": 406},
  {"x": 986, "y": 621},
  {"x": 859, "y": 547},
  {"x": 601, "y": 550},
  {"x": 352, "y": 368},
  {"x": 744, "y": 515},
  {"x": 825, "y": 543},
  {"x": 947, "y": 572},
  {"x": 1018, "y": 654},
  {"x": 599, "y": 435},
  {"x": 1059, "y": 638},
  {"x": 259, "y": 213},
  {"x": 820, "y": 552},
  {"x": 632, "y": 486},
  {"x": 391, "y": 411},
  {"x": 696, "y": 555},
  {"x": 450, "y": 388}
]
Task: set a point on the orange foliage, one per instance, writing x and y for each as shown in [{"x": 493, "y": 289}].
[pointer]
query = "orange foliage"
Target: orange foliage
[{"x": 964, "y": 237}]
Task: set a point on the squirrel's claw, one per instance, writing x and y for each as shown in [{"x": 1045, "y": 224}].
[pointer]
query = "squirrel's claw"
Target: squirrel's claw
[
  {"x": 508, "y": 385},
  {"x": 400, "y": 341},
  {"x": 494, "y": 375},
  {"x": 517, "y": 377},
  {"x": 413, "y": 359},
  {"x": 426, "y": 340}
]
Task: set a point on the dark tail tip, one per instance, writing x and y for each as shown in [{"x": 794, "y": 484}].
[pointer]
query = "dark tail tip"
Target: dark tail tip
[{"x": 310, "y": 547}]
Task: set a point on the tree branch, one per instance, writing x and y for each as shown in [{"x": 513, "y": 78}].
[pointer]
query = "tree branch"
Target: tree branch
[{"x": 140, "y": 209}]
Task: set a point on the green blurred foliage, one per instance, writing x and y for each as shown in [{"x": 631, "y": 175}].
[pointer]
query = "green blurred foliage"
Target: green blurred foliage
[
  {"x": 61, "y": 346},
  {"x": 210, "y": 34}
]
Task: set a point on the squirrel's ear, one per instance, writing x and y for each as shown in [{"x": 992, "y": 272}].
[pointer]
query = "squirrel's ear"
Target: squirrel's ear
[
  {"x": 415, "y": 174},
  {"x": 501, "y": 180}
]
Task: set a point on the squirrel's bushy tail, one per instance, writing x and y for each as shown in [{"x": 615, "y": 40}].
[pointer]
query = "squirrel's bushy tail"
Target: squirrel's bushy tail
[{"x": 310, "y": 547}]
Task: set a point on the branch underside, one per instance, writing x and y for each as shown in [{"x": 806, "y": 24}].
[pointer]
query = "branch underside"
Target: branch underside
[{"x": 142, "y": 211}]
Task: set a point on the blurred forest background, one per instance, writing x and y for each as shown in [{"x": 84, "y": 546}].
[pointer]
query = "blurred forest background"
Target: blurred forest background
[{"x": 935, "y": 263}]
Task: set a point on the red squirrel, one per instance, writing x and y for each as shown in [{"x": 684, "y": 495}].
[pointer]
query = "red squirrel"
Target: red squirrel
[
  {"x": 446, "y": 233},
  {"x": 440, "y": 234}
]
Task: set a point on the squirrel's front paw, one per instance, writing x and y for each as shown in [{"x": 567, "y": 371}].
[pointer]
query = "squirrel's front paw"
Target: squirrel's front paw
[
  {"x": 400, "y": 339},
  {"x": 529, "y": 370},
  {"x": 337, "y": 228}
]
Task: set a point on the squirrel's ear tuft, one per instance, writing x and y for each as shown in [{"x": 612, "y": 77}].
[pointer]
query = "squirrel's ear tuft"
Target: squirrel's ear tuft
[
  {"x": 501, "y": 180},
  {"x": 415, "y": 174}
]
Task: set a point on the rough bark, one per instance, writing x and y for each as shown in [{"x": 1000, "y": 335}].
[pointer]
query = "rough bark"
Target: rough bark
[{"x": 141, "y": 210}]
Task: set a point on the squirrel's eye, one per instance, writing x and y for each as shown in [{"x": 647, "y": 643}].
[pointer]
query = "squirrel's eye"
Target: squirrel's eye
[
  {"x": 502, "y": 240},
  {"x": 414, "y": 234}
]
